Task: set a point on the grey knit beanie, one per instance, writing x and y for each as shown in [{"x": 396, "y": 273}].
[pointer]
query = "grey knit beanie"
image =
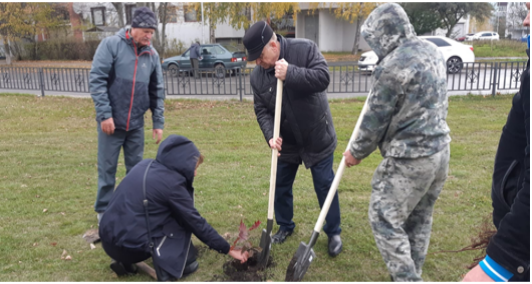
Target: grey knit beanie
[{"x": 143, "y": 17}]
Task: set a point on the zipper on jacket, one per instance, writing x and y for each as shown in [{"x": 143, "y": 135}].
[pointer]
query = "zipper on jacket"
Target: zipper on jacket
[
  {"x": 189, "y": 244},
  {"x": 160, "y": 245},
  {"x": 134, "y": 77}
]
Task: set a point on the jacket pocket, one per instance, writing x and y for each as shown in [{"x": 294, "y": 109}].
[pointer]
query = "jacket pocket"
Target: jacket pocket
[{"x": 318, "y": 137}]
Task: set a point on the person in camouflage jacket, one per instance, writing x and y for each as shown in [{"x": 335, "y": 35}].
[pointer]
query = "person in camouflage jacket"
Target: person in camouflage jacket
[{"x": 405, "y": 118}]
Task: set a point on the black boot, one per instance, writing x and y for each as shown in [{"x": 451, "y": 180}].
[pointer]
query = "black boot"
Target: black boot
[
  {"x": 123, "y": 269},
  {"x": 280, "y": 236}
]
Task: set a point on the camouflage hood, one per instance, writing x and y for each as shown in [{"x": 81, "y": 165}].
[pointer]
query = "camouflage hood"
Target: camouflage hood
[{"x": 386, "y": 28}]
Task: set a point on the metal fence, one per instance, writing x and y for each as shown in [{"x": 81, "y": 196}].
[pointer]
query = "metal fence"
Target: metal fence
[{"x": 492, "y": 76}]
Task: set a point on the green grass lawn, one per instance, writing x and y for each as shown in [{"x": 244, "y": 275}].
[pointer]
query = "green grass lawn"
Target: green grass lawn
[
  {"x": 49, "y": 176},
  {"x": 501, "y": 48}
]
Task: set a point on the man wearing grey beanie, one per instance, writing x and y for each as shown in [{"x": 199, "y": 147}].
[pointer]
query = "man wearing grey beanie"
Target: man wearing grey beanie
[{"x": 125, "y": 81}]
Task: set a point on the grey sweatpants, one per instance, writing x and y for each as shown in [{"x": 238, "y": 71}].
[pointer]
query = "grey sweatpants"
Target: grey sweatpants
[
  {"x": 400, "y": 210},
  {"x": 108, "y": 151}
]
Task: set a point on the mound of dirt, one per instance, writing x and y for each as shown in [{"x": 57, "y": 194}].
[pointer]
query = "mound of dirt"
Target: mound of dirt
[{"x": 248, "y": 271}]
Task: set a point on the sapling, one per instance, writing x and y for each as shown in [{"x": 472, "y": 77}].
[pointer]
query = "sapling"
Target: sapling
[{"x": 242, "y": 242}]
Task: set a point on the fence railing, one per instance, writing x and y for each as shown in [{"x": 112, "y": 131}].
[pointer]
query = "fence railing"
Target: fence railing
[{"x": 483, "y": 76}]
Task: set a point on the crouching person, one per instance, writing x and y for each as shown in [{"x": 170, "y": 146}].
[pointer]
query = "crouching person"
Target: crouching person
[{"x": 152, "y": 214}]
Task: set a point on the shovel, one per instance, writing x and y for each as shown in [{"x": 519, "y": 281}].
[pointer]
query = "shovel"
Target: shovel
[
  {"x": 304, "y": 255},
  {"x": 266, "y": 237}
]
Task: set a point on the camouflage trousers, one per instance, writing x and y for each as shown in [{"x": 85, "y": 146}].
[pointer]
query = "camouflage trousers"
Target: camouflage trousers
[{"x": 400, "y": 210}]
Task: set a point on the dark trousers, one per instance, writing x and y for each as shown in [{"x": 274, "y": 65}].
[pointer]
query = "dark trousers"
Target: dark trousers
[
  {"x": 108, "y": 151},
  {"x": 322, "y": 176},
  {"x": 130, "y": 256},
  {"x": 194, "y": 63}
]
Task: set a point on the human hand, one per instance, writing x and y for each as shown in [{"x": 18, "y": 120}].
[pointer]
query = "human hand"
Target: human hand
[
  {"x": 350, "y": 160},
  {"x": 108, "y": 126},
  {"x": 159, "y": 134},
  {"x": 477, "y": 275},
  {"x": 281, "y": 66},
  {"x": 278, "y": 145},
  {"x": 238, "y": 254}
]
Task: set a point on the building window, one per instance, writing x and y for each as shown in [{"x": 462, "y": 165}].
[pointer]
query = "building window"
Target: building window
[
  {"x": 191, "y": 15},
  {"x": 98, "y": 16},
  {"x": 130, "y": 9},
  {"x": 171, "y": 14}
]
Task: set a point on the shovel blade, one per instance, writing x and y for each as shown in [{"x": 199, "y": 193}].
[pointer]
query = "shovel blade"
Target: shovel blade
[
  {"x": 300, "y": 263},
  {"x": 265, "y": 245}
]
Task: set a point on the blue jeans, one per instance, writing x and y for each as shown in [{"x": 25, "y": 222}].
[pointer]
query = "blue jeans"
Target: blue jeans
[
  {"x": 108, "y": 151},
  {"x": 322, "y": 176}
]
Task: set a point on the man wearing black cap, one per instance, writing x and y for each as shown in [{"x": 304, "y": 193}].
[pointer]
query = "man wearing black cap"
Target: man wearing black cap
[
  {"x": 307, "y": 132},
  {"x": 125, "y": 80}
]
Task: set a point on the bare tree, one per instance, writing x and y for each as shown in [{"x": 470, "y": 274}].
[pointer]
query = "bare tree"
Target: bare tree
[
  {"x": 119, "y": 6},
  {"x": 515, "y": 16}
]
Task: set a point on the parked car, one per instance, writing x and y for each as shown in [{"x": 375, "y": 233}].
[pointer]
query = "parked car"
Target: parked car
[
  {"x": 215, "y": 56},
  {"x": 484, "y": 36},
  {"x": 463, "y": 37},
  {"x": 455, "y": 54}
]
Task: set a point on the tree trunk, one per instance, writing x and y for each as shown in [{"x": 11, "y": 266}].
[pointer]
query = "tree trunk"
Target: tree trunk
[
  {"x": 212, "y": 36},
  {"x": 354, "y": 51},
  {"x": 164, "y": 7},
  {"x": 119, "y": 6},
  {"x": 7, "y": 50}
]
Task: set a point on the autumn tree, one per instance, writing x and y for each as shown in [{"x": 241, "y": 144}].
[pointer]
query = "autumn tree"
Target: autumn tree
[
  {"x": 242, "y": 14},
  {"x": 451, "y": 12},
  {"x": 422, "y": 16},
  {"x": 20, "y": 20}
]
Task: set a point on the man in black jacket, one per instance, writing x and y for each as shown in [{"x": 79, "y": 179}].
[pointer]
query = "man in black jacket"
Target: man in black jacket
[
  {"x": 171, "y": 214},
  {"x": 508, "y": 252},
  {"x": 307, "y": 132}
]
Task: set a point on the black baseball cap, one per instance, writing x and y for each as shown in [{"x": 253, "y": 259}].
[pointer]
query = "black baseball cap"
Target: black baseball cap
[{"x": 256, "y": 38}]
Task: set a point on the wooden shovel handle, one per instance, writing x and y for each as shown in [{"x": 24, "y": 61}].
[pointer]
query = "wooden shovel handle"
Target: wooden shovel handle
[
  {"x": 276, "y": 128},
  {"x": 339, "y": 172}
]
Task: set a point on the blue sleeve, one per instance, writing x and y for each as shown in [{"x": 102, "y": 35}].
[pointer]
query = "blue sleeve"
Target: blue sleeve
[
  {"x": 156, "y": 91},
  {"x": 494, "y": 270},
  {"x": 98, "y": 80}
]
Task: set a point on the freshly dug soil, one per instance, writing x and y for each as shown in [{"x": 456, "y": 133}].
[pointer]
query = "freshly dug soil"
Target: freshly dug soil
[{"x": 248, "y": 271}]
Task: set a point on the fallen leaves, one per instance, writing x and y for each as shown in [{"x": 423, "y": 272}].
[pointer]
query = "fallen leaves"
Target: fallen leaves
[
  {"x": 65, "y": 255},
  {"x": 91, "y": 236}
]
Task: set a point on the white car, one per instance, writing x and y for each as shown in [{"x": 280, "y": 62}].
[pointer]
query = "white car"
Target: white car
[
  {"x": 455, "y": 54},
  {"x": 483, "y": 36}
]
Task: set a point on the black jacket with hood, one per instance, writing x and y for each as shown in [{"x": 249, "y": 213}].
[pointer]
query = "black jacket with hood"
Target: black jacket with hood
[
  {"x": 306, "y": 122},
  {"x": 510, "y": 193},
  {"x": 173, "y": 217}
]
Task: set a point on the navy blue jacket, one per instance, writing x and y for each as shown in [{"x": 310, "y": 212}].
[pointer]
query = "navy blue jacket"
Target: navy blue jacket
[
  {"x": 173, "y": 218},
  {"x": 125, "y": 81},
  {"x": 510, "y": 246}
]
